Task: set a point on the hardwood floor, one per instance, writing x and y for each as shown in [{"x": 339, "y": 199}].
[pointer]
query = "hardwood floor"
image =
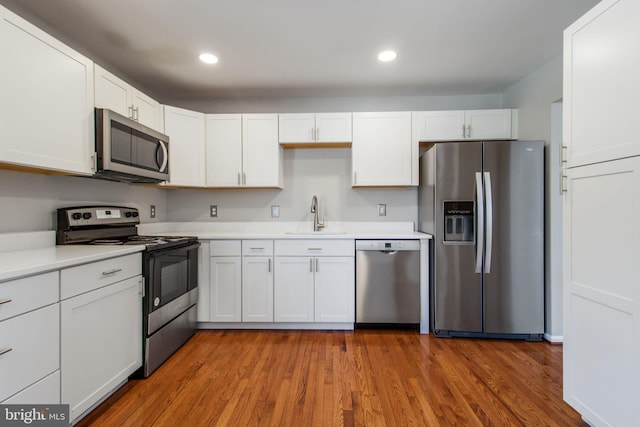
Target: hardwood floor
[{"x": 372, "y": 378}]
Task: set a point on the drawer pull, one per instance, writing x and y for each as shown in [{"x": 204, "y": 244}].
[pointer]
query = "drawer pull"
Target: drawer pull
[
  {"x": 5, "y": 350},
  {"x": 5, "y": 301},
  {"x": 257, "y": 249},
  {"x": 314, "y": 249},
  {"x": 110, "y": 272}
]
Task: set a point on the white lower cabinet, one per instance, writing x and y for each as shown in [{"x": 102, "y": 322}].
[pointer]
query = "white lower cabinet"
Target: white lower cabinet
[
  {"x": 44, "y": 392},
  {"x": 100, "y": 334},
  {"x": 257, "y": 289},
  {"x": 335, "y": 289},
  {"x": 29, "y": 344},
  {"x": 293, "y": 289},
  {"x": 312, "y": 285},
  {"x": 257, "y": 280},
  {"x": 601, "y": 299}
]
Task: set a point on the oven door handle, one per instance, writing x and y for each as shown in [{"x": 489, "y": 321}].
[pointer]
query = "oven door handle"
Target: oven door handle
[{"x": 161, "y": 252}]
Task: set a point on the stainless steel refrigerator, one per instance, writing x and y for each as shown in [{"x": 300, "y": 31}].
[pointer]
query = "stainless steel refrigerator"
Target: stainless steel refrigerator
[{"x": 484, "y": 204}]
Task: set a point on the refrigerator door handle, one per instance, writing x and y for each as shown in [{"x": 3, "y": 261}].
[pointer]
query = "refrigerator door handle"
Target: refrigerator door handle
[
  {"x": 489, "y": 239},
  {"x": 479, "y": 222}
]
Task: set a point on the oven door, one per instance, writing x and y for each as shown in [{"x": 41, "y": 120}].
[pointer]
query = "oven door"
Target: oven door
[{"x": 171, "y": 283}]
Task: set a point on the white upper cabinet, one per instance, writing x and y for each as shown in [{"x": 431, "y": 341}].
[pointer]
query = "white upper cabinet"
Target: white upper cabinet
[
  {"x": 383, "y": 152},
  {"x": 46, "y": 101},
  {"x": 243, "y": 151},
  {"x": 464, "y": 125},
  {"x": 314, "y": 129},
  {"x": 186, "y": 131},
  {"x": 115, "y": 94},
  {"x": 261, "y": 154},
  {"x": 224, "y": 150},
  {"x": 600, "y": 90}
]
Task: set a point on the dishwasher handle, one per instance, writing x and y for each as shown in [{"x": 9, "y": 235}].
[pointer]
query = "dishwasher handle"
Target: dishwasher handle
[{"x": 391, "y": 252}]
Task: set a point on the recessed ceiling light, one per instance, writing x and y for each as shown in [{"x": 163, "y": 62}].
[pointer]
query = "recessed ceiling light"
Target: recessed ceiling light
[
  {"x": 208, "y": 58},
  {"x": 387, "y": 55}
]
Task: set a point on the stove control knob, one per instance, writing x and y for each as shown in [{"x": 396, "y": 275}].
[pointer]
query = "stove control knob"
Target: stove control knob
[
  {"x": 76, "y": 215},
  {"x": 86, "y": 215},
  {"x": 156, "y": 302},
  {"x": 134, "y": 214},
  {"x": 128, "y": 214}
]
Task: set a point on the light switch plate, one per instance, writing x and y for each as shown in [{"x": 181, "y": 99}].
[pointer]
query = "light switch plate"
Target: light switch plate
[
  {"x": 152, "y": 211},
  {"x": 382, "y": 209},
  {"x": 275, "y": 211},
  {"x": 213, "y": 211}
]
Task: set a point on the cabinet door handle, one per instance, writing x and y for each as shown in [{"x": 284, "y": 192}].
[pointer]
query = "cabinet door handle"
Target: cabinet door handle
[
  {"x": 269, "y": 265},
  {"x": 131, "y": 112},
  {"x": 354, "y": 178},
  {"x": 317, "y": 134},
  {"x": 563, "y": 183},
  {"x": 5, "y": 301},
  {"x": 316, "y": 265},
  {"x": 244, "y": 178},
  {"x": 136, "y": 114},
  {"x": 310, "y": 265},
  {"x": 110, "y": 272},
  {"x": 5, "y": 350},
  {"x": 468, "y": 131},
  {"x": 563, "y": 154}
]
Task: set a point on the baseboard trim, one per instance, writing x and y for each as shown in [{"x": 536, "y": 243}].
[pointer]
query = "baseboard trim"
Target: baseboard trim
[{"x": 554, "y": 339}]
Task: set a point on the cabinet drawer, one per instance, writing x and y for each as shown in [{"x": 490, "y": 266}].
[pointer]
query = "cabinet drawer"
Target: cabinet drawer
[
  {"x": 85, "y": 278},
  {"x": 257, "y": 247},
  {"x": 225, "y": 248},
  {"x": 315, "y": 247},
  {"x": 22, "y": 295},
  {"x": 34, "y": 342},
  {"x": 44, "y": 392}
]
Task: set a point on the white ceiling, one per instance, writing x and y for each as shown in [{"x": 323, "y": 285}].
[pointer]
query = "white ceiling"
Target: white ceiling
[{"x": 294, "y": 48}]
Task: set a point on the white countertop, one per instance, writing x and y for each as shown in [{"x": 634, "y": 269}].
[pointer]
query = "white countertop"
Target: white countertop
[
  {"x": 24, "y": 259},
  {"x": 29, "y": 253},
  {"x": 284, "y": 230}
]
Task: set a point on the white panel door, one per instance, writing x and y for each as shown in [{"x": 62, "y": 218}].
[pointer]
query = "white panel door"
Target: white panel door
[
  {"x": 261, "y": 153},
  {"x": 296, "y": 127},
  {"x": 100, "y": 342},
  {"x": 225, "y": 298},
  {"x": 335, "y": 289},
  {"x": 383, "y": 153},
  {"x": 186, "y": 131},
  {"x": 46, "y": 106},
  {"x": 112, "y": 92},
  {"x": 224, "y": 150},
  {"x": 146, "y": 110},
  {"x": 438, "y": 125},
  {"x": 293, "y": 289},
  {"x": 601, "y": 293},
  {"x": 601, "y": 90},
  {"x": 257, "y": 289},
  {"x": 488, "y": 124},
  {"x": 333, "y": 127}
]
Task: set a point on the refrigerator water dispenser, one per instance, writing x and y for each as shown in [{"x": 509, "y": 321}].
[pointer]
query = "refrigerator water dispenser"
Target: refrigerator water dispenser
[{"x": 458, "y": 221}]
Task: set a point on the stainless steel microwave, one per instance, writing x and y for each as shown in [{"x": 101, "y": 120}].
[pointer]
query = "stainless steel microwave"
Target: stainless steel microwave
[{"x": 128, "y": 151}]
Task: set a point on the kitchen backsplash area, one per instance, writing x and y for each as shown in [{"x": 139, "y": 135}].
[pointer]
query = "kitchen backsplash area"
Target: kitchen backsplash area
[{"x": 28, "y": 200}]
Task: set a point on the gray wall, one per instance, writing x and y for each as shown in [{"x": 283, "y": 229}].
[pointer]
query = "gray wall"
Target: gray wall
[
  {"x": 28, "y": 201},
  {"x": 534, "y": 97}
]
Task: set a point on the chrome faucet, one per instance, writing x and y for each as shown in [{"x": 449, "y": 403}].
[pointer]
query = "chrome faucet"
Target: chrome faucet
[{"x": 315, "y": 209}]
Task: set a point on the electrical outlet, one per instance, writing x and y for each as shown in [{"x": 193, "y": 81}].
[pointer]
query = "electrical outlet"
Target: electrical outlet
[
  {"x": 382, "y": 209},
  {"x": 152, "y": 211},
  {"x": 275, "y": 211},
  {"x": 213, "y": 211}
]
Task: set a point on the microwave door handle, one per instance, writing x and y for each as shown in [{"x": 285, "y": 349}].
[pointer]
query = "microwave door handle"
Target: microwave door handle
[{"x": 165, "y": 156}]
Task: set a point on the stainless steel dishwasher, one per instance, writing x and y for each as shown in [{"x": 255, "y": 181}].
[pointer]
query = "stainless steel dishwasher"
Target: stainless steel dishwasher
[{"x": 387, "y": 283}]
